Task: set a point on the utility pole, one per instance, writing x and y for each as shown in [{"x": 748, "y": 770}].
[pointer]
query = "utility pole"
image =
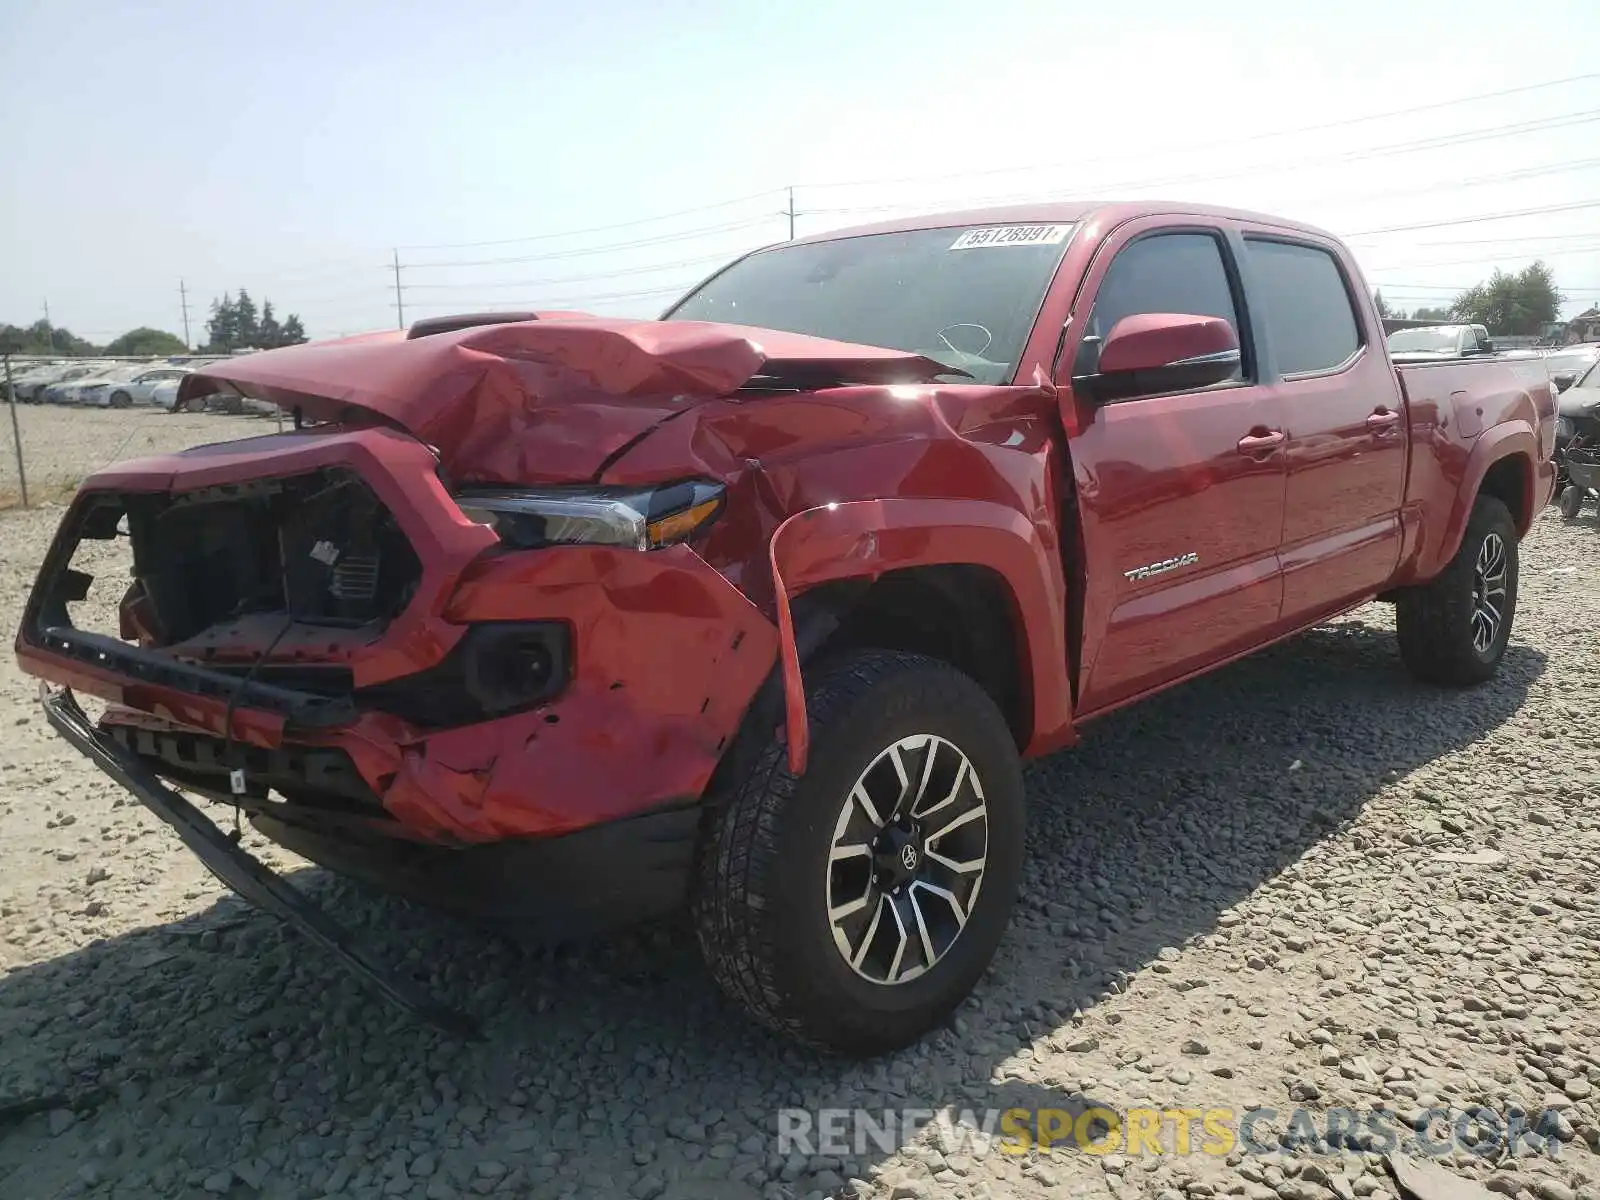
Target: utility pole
[
  {"x": 49, "y": 329},
  {"x": 790, "y": 213},
  {"x": 16, "y": 433},
  {"x": 399, "y": 296},
  {"x": 183, "y": 298}
]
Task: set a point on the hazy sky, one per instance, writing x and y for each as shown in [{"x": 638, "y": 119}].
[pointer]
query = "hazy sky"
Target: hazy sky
[{"x": 290, "y": 147}]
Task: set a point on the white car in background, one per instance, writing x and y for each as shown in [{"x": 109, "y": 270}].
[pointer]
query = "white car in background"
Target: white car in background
[
  {"x": 98, "y": 388},
  {"x": 53, "y": 389},
  {"x": 140, "y": 389},
  {"x": 24, "y": 383}
]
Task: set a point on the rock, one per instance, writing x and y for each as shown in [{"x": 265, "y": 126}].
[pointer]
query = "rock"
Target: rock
[
  {"x": 1192, "y": 1046},
  {"x": 1553, "y": 1189},
  {"x": 1084, "y": 1044},
  {"x": 1578, "y": 1088},
  {"x": 1506, "y": 1183},
  {"x": 63, "y": 1119},
  {"x": 219, "y": 1183},
  {"x": 1304, "y": 1089}
]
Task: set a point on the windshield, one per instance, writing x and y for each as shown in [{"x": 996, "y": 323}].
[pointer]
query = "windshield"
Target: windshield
[
  {"x": 1423, "y": 339},
  {"x": 963, "y": 296}
]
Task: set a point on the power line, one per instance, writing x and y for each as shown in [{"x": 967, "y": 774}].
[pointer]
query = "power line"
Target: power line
[
  {"x": 1240, "y": 141},
  {"x": 1482, "y": 261},
  {"x": 1489, "y": 133},
  {"x": 1502, "y": 241},
  {"x": 541, "y": 237},
  {"x": 660, "y": 240},
  {"x": 1503, "y": 216},
  {"x": 643, "y": 270},
  {"x": 546, "y": 303},
  {"x": 1442, "y": 289}
]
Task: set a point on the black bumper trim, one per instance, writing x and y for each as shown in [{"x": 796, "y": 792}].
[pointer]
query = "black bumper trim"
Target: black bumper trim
[
  {"x": 244, "y": 874},
  {"x": 305, "y": 709}
]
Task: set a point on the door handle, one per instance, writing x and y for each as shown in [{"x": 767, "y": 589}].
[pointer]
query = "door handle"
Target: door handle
[
  {"x": 1381, "y": 420},
  {"x": 1257, "y": 443}
]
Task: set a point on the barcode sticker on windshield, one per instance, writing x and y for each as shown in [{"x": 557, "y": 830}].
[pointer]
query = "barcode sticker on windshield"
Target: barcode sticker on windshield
[{"x": 1011, "y": 235}]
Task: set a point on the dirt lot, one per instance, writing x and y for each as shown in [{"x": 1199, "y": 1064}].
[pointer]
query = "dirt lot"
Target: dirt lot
[
  {"x": 61, "y": 445},
  {"x": 1304, "y": 882}
]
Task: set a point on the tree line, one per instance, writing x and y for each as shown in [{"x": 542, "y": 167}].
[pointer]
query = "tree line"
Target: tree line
[
  {"x": 1508, "y": 303},
  {"x": 235, "y": 324}
]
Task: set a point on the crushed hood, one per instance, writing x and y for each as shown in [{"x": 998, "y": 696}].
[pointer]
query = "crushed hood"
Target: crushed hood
[{"x": 549, "y": 399}]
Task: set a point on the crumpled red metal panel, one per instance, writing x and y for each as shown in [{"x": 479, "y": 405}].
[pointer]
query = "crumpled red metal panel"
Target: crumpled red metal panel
[{"x": 530, "y": 401}]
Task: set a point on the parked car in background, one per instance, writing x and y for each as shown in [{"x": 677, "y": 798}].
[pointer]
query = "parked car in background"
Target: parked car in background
[
  {"x": 56, "y": 390},
  {"x": 140, "y": 389},
  {"x": 23, "y": 379},
  {"x": 97, "y": 389},
  {"x": 164, "y": 394},
  {"x": 1568, "y": 363},
  {"x": 1577, "y": 426},
  {"x": 1440, "y": 341}
]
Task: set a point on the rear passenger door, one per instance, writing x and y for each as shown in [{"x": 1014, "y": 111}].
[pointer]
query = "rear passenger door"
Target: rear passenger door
[
  {"x": 1180, "y": 494},
  {"x": 1346, "y": 429}
]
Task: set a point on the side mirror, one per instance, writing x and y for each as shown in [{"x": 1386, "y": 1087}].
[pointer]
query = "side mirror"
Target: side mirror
[
  {"x": 1151, "y": 353},
  {"x": 1487, "y": 346},
  {"x": 1564, "y": 379}
]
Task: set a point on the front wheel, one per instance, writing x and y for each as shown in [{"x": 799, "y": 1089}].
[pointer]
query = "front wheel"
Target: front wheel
[
  {"x": 854, "y": 907},
  {"x": 1453, "y": 630},
  {"x": 121, "y": 400}
]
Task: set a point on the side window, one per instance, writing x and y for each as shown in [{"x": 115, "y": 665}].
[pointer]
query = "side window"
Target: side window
[
  {"x": 1163, "y": 273},
  {"x": 1305, "y": 304}
]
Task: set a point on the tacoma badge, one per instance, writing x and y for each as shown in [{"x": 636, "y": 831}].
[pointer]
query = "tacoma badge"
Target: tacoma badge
[{"x": 1162, "y": 567}]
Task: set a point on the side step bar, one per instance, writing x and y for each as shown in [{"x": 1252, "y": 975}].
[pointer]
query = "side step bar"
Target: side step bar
[{"x": 239, "y": 870}]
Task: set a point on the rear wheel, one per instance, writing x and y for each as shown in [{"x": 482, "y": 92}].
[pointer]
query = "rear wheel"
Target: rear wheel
[
  {"x": 1571, "y": 500},
  {"x": 854, "y": 907},
  {"x": 1453, "y": 630}
]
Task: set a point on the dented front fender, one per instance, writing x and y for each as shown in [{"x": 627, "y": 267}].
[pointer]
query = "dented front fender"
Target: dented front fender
[{"x": 865, "y": 539}]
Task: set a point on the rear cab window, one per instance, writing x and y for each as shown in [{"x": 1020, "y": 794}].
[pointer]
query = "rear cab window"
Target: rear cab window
[{"x": 1305, "y": 302}]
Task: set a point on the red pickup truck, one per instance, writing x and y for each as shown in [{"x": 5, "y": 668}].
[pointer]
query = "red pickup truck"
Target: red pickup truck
[{"x": 758, "y": 607}]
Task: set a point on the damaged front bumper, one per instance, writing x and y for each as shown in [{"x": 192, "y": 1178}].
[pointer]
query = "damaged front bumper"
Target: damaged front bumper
[
  {"x": 236, "y": 868},
  {"x": 577, "y": 811}
]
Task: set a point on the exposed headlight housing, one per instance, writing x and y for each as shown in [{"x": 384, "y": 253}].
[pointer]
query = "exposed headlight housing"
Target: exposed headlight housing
[
  {"x": 1565, "y": 428},
  {"x": 637, "y": 518}
]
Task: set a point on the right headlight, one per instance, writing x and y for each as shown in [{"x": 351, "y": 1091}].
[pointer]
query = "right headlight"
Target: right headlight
[
  {"x": 1564, "y": 428},
  {"x": 638, "y": 518}
]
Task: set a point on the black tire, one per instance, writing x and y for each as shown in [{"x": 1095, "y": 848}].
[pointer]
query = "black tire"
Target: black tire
[
  {"x": 121, "y": 400},
  {"x": 760, "y": 902},
  {"x": 1437, "y": 621},
  {"x": 1571, "y": 501}
]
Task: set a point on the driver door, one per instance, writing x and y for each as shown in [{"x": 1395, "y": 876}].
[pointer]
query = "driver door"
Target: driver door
[{"x": 1180, "y": 495}]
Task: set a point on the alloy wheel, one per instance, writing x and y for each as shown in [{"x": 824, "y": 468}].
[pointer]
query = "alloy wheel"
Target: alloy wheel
[
  {"x": 907, "y": 859},
  {"x": 1488, "y": 593}
]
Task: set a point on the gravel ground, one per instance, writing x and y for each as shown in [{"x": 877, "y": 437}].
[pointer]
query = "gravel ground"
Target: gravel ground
[{"x": 1302, "y": 881}]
